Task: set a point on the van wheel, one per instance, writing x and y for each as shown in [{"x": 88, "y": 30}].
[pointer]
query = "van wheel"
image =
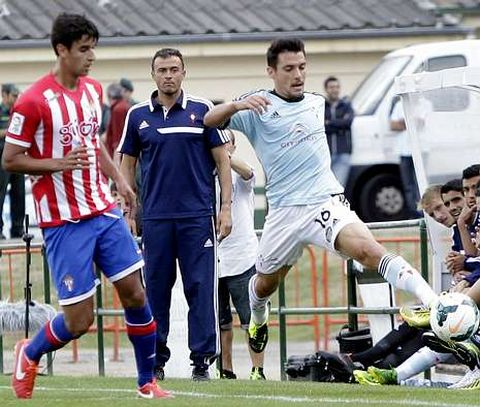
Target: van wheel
[{"x": 381, "y": 199}]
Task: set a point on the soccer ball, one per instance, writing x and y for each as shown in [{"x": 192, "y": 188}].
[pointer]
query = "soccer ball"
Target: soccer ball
[{"x": 454, "y": 317}]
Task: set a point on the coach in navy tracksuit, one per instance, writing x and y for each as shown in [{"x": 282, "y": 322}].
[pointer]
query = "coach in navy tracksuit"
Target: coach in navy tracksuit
[{"x": 178, "y": 156}]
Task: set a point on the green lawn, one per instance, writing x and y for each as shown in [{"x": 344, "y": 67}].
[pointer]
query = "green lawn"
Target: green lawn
[{"x": 93, "y": 391}]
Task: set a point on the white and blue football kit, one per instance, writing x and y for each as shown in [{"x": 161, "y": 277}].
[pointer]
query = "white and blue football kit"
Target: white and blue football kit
[{"x": 304, "y": 197}]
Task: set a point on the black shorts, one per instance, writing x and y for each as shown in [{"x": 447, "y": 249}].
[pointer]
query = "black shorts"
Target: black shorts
[{"x": 236, "y": 288}]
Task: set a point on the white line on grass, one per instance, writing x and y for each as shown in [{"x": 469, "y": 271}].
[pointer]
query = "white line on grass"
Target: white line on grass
[{"x": 288, "y": 399}]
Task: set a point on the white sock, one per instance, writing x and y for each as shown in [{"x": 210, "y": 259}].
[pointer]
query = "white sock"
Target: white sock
[
  {"x": 402, "y": 275},
  {"x": 420, "y": 361},
  {"x": 258, "y": 306}
]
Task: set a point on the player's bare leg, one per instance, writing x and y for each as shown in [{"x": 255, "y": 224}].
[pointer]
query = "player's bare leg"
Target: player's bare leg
[{"x": 257, "y": 363}]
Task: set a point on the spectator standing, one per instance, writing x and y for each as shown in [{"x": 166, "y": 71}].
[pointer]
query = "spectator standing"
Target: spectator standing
[
  {"x": 178, "y": 158},
  {"x": 127, "y": 90},
  {"x": 237, "y": 254},
  {"x": 17, "y": 181},
  {"x": 338, "y": 122},
  {"x": 53, "y": 135},
  {"x": 406, "y": 167},
  {"x": 105, "y": 119},
  {"x": 118, "y": 112}
]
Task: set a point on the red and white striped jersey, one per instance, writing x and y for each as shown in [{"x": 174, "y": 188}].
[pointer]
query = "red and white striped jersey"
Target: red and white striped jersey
[{"x": 50, "y": 120}]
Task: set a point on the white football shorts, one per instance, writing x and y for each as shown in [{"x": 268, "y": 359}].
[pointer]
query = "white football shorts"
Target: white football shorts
[{"x": 289, "y": 229}]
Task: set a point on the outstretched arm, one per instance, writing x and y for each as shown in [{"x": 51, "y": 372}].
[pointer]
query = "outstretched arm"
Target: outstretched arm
[{"x": 220, "y": 114}]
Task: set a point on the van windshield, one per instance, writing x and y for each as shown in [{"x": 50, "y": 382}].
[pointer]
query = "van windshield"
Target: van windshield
[{"x": 371, "y": 91}]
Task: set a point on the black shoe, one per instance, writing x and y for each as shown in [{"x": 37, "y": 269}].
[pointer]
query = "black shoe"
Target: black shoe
[
  {"x": 159, "y": 373},
  {"x": 200, "y": 373},
  {"x": 2, "y": 236},
  {"x": 227, "y": 374},
  {"x": 465, "y": 352}
]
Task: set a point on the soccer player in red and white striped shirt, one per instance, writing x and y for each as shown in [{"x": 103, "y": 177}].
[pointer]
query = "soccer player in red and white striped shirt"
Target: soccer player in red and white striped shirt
[{"x": 53, "y": 135}]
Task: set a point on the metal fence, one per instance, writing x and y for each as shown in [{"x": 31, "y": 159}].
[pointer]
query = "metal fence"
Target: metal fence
[{"x": 352, "y": 310}]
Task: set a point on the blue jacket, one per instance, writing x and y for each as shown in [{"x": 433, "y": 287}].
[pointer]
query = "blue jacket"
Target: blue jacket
[{"x": 337, "y": 126}]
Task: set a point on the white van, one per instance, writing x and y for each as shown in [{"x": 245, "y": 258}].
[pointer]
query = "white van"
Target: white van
[{"x": 374, "y": 186}]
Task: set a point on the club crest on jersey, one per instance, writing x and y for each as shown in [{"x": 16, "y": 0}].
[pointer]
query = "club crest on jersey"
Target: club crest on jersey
[
  {"x": 299, "y": 129},
  {"x": 299, "y": 134},
  {"x": 84, "y": 129}
]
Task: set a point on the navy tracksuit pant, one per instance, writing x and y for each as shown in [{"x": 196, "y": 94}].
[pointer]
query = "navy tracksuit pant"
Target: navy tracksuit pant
[{"x": 192, "y": 242}]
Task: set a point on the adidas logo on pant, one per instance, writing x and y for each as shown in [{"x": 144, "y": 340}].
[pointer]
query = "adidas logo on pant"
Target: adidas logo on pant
[{"x": 208, "y": 243}]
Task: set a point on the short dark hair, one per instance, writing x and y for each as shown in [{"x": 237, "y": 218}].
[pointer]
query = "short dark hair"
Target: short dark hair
[
  {"x": 9, "y": 89},
  {"x": 472, "y": 171},
  {"x": 328, "y": 80},
  {"x": 165, "y": 53},
  {"x": 68, "y": 28},
  {"x": 283, "y": 45},
  {"x": 126, "y": 84},
  {"x": 452, "y": 185}
]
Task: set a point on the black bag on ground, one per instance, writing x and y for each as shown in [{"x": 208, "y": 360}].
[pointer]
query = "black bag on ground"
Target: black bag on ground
[
  {"x": 354, "y": 341},
  {"x": 318, "y": 367}
]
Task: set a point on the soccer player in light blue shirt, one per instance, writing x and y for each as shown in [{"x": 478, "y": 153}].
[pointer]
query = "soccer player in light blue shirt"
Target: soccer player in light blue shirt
[
  {"x": 286, "y": 128},
  {"x": 295, "y": 144}
]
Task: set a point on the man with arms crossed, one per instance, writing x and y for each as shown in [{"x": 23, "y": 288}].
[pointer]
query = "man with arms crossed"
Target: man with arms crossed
[
  {"x": 306, "y": 205},
  {"x": 53, "y": 135}
]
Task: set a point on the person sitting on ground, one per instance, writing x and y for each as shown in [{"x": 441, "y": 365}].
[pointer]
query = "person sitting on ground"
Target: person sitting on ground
[{"x": 452, "y": 196}]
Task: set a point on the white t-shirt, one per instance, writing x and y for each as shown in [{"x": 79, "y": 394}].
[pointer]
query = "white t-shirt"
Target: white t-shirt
[
  {"x": 238, "y": 251},
  {"x": 403, "y": 140}
]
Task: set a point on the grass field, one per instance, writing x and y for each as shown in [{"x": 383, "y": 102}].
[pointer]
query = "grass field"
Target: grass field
[{"x": 93, "y": 391}]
